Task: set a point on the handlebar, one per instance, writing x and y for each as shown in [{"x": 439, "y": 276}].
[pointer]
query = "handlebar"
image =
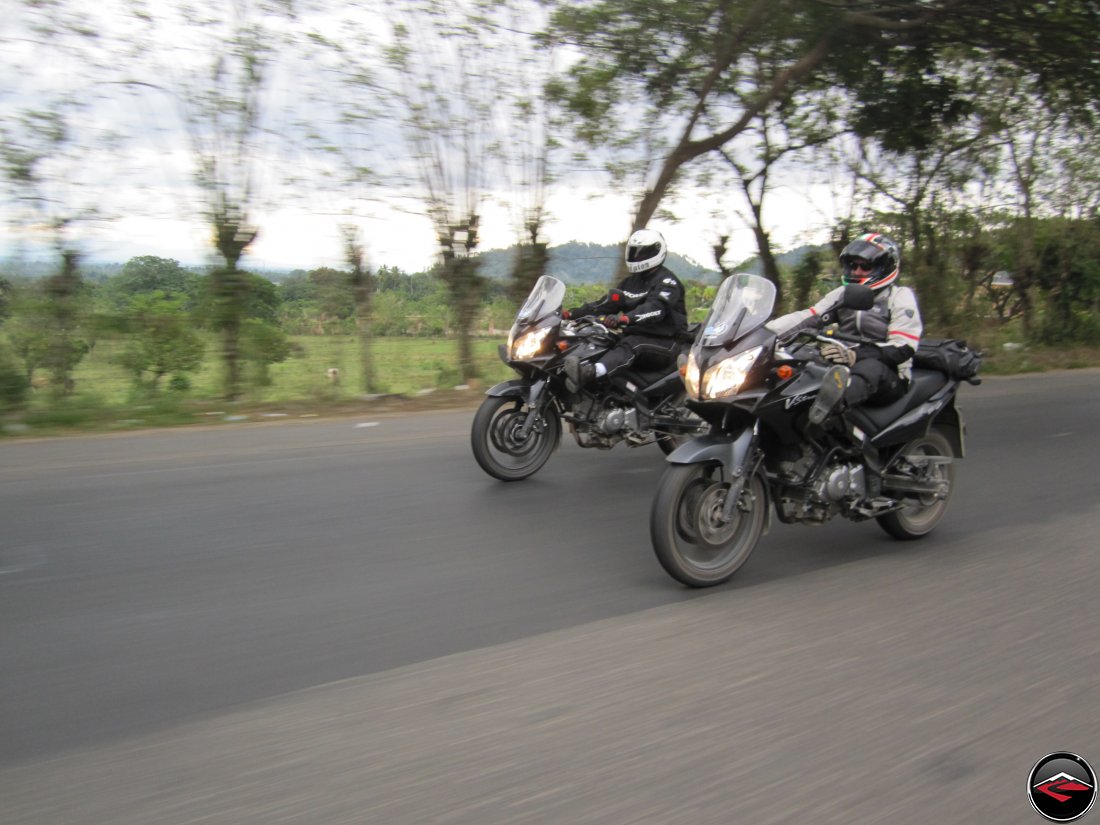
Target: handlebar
[
  {"x": 589, "y": 321},
  {"x": 816, "y": 335}
]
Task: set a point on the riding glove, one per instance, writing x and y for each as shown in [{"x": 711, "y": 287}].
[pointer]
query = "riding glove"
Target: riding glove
[
  {"x": 838, "y": 353},
  {"x": 613, "y": 321}
]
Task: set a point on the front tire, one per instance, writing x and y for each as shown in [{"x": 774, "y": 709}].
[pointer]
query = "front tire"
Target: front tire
[
  {"x": 692, "y": 542},
  {"x": 499, "y": 447},
  {"x": 923, "y": 512}
]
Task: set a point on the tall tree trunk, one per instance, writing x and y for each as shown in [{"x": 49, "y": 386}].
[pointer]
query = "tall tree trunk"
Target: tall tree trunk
[
  {"x": 233, "y": 237},
  {"x": 64, "y": 350},
  {"x": 764, "y": 248},
  {"x": 466, "y": 286},
  {"x": 362, "y": 290},
  {"x": 531, "y": 262}
]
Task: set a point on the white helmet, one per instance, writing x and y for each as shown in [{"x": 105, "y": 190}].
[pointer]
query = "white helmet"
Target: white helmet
[{"x": 645, "y": 250}]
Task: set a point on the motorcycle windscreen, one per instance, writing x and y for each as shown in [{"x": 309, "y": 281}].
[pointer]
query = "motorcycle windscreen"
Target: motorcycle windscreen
[
  {"x": 545, "y": 299},
  {"x": 743, "y": 303}
]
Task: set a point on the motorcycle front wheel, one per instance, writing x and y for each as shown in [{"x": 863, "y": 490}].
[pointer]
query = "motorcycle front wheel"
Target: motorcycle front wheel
[
  {"x": 501, "y": 448},
  {"x": 693, "y": 542},
  {"x": 922, "y": 512}
]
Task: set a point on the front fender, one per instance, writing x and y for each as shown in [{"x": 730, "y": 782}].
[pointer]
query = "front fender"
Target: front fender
[
  {"x": 729, "y": 450},
  {"x": 732, "y": 451},
  {"x": 516, "y": 387}
]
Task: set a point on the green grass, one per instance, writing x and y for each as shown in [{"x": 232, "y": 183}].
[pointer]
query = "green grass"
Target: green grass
[
  {"x": 404, "y": 366},
  {"x": 105, "y": 397}
]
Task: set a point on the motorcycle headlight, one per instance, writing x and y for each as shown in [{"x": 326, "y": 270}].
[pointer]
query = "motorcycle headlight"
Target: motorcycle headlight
[
  {"x": 529, "y": 344},
  {"x": 727, "y": 376},
  {"x": 691, "y": 377}
]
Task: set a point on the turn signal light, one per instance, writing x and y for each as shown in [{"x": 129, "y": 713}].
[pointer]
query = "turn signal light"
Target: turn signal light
[
  {"x": 563, "y": 346},
  {"x": 784, "y": 371}
]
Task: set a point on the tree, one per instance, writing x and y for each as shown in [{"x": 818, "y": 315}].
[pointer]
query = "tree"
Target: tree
[
  {"x": 147, "y": 274},
  {"x": 56, "y": 149},
  {"x": 162, "y": 340},
  {"x": 215, "y": 63},
  {"x": 261, "y": 346},
  {"x": 527, "y": 144},
  {"x": 363, "y": 287},
  {"x": 688, "y": 67},
  {"x": 445, "y": 84}
]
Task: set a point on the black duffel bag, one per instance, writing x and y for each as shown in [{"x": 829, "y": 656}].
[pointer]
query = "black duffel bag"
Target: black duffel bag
[{"x": 951, "y": 356}]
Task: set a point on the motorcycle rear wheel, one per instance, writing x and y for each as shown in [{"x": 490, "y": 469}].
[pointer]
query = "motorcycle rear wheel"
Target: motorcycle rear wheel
[
  {"x": 668, "y": 442},
  {"x": 923, "y": 512},
  {"x": 499, "y": 447},
  {"x": 691, "y": 541}
]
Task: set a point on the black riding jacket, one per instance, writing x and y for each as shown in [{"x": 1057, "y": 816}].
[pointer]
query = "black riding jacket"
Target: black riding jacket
[{"x": 653, "y": 302}]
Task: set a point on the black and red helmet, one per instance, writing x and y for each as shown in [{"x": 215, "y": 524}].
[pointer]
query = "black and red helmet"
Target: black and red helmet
[{"x": 871, "y": 260}]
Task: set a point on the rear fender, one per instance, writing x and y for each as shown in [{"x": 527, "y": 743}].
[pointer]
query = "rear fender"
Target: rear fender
[{"x": 950, "y": 422}]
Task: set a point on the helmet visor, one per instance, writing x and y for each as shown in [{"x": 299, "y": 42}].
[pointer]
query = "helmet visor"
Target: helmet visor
[
  {"x": 642, "y": 253},
  {"x": 861, "y": 251}
]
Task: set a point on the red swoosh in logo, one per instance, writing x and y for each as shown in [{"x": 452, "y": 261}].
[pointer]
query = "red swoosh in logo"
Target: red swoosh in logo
[{"x": 1059, "y": 787}]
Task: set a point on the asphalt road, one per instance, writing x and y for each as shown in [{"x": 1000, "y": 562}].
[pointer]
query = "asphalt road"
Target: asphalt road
[{"x": 347, "y": 621}]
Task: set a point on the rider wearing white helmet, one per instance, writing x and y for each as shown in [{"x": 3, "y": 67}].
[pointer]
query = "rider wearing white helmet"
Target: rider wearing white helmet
[{"x": 648, "y": 305}]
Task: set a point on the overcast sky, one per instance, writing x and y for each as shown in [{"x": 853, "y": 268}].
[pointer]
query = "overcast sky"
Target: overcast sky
[{"x": 148, "y": 180}]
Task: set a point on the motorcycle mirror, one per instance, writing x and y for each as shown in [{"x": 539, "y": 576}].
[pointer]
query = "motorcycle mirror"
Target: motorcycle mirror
[{"x": 857, "y": 297}]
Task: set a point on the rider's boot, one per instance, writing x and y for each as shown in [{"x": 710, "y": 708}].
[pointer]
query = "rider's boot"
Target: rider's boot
[
  {"x": 577, "y": 374},
  {"x": 830, "y": 395}
]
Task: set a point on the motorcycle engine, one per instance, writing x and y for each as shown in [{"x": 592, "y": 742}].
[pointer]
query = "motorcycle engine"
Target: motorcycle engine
[
  {"x": 817, "y": 499},
  {"x": 602, "y": 425},
  {"x": 615, "y": 419},
  {"x": 844, "y": 482}
]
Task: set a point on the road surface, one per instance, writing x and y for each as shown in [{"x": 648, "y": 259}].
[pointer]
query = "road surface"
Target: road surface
[{"x": 347, "y": 621}]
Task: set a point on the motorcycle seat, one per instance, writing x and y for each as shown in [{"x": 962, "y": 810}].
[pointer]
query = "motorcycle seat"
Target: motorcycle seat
[{"x": 924, "y": 384}]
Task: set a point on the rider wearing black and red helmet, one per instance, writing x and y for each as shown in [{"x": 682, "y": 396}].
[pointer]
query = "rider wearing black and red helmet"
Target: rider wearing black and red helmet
[{"x": 876, "y": 370}]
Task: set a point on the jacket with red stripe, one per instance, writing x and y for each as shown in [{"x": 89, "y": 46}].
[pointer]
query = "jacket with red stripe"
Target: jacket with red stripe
[{"x": 890, "y": 329}]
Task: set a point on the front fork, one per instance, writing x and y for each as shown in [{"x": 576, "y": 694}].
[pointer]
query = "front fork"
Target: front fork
[
  {"x": 534, "y": 407},
  {"x": 737, "y": 455},
  {"x": 532, "y": 393}
]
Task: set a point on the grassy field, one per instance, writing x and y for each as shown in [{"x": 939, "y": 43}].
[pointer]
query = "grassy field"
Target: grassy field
[
  {"x": 404, "y": 365},
  {"x": 421, "y": 372},
  {"x": 105, "y": 396}
]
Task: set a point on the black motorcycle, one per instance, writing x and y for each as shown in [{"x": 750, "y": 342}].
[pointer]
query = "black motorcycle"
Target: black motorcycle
[
  {"x": 894, "y": 464},
  {"x": 518, "y": 425}
]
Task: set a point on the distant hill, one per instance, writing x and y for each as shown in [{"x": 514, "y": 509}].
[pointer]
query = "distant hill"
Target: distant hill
[
  {"x": 587, "y": 263},
  {"x": 785, "y": 259},
  {"x": 574, "y": 263}
]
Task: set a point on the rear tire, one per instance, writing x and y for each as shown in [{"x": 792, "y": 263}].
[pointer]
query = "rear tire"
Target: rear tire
[
  {"x": 691, "y": 541},
  {"x": 922, "y": 513},
  {"x": 668, "y": 442},
  {"x": 498, "y": 446}
]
